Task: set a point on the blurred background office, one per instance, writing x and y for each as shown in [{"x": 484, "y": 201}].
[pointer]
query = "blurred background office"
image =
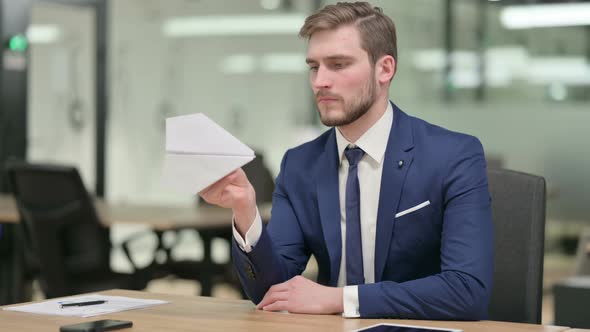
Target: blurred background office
[{"x": 89, "y": 83}]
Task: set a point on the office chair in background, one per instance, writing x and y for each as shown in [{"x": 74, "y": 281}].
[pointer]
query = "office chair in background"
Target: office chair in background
[
  {"x": 571, "y": 296},
  {"x": 518, "y": 209},
  {"x": 62, "y": 231},
  {"x": 261, "y": 179}
]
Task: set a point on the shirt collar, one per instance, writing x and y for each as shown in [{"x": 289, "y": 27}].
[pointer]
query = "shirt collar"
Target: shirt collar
[{"x": 373, "y": 141}]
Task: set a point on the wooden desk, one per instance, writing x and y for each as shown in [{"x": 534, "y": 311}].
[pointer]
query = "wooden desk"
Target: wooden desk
[
  {"x": 8, "y": 212},
  {"x": 158, "y": 217},
  {"x": 192, "y": 313}
]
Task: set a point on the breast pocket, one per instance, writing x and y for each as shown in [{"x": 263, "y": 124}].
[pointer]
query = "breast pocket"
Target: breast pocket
[
  {"x": 412, "y": 209},
  {"x": 412, "y": 229}
]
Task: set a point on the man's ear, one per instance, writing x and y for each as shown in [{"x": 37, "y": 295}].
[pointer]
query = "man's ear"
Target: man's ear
[{"x": 385, "y": 69}]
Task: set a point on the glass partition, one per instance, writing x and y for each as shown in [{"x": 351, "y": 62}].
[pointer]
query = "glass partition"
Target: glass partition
[{"x": 522, "y": 91}]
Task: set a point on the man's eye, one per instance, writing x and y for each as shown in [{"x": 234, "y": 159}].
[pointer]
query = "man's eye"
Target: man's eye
[
  {"x": 338, "y": 65},
  {"x": 313, "y": 68}
]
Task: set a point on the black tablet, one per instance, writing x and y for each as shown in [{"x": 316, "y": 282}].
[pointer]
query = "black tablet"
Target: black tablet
[{"x": 404, "y": 328}]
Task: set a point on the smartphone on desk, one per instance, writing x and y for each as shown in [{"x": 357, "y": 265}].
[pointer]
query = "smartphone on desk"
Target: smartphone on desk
[{"x": 97, "y": 326}]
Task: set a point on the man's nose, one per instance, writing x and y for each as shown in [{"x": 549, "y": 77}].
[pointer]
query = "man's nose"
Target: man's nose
[{"x": 322, "y": 79}]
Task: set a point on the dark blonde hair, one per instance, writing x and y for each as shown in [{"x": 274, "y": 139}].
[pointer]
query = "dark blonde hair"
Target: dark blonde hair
[{"x": 377, "y": 30}]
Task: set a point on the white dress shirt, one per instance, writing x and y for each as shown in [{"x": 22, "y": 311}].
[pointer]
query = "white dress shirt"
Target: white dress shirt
[{"x": 373, "y": 142}]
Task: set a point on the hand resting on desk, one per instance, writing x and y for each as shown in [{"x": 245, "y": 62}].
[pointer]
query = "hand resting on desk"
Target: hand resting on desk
[{"x": 303, "y": 296}]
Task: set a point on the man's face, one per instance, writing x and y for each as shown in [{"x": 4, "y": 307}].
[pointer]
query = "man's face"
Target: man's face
[{"x": 341, "y": 76}]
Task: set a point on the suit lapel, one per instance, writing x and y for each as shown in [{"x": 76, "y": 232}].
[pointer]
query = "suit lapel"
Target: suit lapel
[
  {"x": 399, "y": 148},
  {"x": 329, "y": 204}
]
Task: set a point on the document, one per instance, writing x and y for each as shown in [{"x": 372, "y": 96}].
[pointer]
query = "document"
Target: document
[
  {"x": 68, "y": 306},
  {"x": 199, "y": 152}
]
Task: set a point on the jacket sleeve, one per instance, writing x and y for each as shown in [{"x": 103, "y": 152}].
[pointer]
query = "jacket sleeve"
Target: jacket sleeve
[
  {"x": 280, "y": 253},
  {"x": 462, "y": 290}
]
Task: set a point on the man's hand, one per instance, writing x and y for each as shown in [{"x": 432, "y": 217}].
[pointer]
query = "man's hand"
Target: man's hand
[
  {"x": 300, "y": 295},
  {"x": 234, "y": 191}
]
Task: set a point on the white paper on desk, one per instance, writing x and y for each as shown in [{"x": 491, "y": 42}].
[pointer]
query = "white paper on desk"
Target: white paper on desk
[
  {"x": 113, "y": 304},
  {"x": 199, "y": 152}
]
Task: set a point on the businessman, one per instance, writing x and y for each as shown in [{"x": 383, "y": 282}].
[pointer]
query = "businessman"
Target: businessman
[{"x": 395, "y": 210}]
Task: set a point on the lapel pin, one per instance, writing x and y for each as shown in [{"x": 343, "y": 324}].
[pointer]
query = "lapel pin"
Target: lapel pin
[{"x": 400, "y": 164}]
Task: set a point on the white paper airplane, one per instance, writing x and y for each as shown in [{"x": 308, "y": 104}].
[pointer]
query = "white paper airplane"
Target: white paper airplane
[{"x": 199, "y": 152}]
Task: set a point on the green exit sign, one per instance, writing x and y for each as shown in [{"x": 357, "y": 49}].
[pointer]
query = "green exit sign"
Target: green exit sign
[{"x": 18, "y": 43}]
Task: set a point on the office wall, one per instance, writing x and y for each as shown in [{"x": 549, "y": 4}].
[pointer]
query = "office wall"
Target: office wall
[
  {"x": 61, "y": 88},
  {"x": 549, "y": 140},
  {"x": 153, "y": 77},
  {"x": 529, "y": 124}
]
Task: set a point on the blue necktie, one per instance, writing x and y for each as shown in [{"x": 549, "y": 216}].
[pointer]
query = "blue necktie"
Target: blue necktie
[{"x": 354, "y": 249}]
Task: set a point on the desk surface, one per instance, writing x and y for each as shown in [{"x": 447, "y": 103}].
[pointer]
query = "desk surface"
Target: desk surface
[
  {"x": 158, "y": 217},
  {"x": 8, "y": 212},
  {"x": 192, "y": 313}
]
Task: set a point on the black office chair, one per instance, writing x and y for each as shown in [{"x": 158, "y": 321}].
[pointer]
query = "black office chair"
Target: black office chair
[
  {"x": 571, "y": 296},
  {"x": 518, "y": 208},
  {"x": 261, "y": 179},
  {"x": 60, "y": 225}
]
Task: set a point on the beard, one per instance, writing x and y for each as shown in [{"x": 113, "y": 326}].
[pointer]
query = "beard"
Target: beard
[{"x": 353, "y": 109}]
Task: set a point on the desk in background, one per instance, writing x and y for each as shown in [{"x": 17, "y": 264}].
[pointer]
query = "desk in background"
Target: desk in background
[
  {"x": 192, "y": 313},
  {"x": 8, "y": 211},
  {"x": 157, "y": 217},
  {"x": 209, "y": 221}
]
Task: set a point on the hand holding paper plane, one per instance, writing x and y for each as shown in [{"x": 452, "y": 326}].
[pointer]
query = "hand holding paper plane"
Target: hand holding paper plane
[{"x": 199, "y": 152}]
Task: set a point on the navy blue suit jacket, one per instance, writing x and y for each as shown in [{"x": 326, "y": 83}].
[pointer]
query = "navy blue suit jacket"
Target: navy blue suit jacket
[{"x": 434, "y": 263}]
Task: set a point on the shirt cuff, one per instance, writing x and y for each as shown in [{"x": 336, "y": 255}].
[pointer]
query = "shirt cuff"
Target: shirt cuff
[
  {"x": 252, "y": 235},
  {"x": 350, "y": 301}
]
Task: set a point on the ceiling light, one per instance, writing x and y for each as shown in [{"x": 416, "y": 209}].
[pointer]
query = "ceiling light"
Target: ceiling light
[
  {"x": 233, "y": 25},
  {"x": 552, "y": 15},
  {"x": 43, "y": 34},
  {"x": 270, "y": 4}
]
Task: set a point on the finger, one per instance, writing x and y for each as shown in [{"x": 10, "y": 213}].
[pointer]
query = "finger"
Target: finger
[
  {"x": 230, "y": 194},
  {"x": 235, "y": 191},
  {"x": 282, "y": 287},
  {"x": 221, "y": 182},
  {"x": 240, "y": 177},
  {"x": 271, "y": 297},
  {"x": 217, "y": 187},
  {"x": 277, "y": 306}
]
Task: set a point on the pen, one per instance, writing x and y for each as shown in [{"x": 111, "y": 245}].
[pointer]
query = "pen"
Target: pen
[{"x": 82, "y": 304}]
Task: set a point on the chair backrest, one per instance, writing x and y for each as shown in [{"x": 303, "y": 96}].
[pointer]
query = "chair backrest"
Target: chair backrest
[
  {"x": 518, "y": 208},
  {"x": 60, "y": 223},
  {"x": 583, "y": 255},
  {"x": 261, "y": 178}
]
